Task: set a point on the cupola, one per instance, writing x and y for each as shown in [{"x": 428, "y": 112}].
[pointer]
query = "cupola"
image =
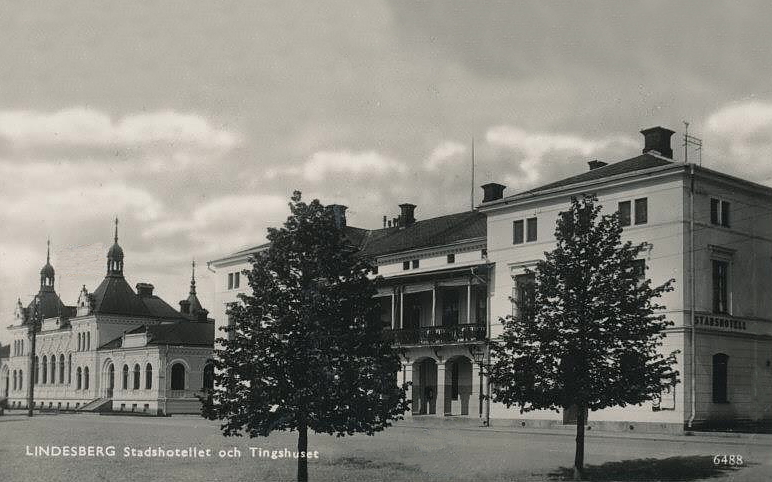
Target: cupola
[{"x": 115, "y": 256}]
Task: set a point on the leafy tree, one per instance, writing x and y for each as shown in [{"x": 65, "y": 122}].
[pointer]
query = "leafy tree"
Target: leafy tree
[
  {"x": 305, "y": 349},
  {"x": 589, "y": 337}
]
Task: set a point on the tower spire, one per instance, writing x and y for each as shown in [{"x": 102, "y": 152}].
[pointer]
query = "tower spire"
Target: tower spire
[
  {"x": 48, "y": 251},
  {"x": 193, "y": 278},
  {"x": 116, "y": 229}
]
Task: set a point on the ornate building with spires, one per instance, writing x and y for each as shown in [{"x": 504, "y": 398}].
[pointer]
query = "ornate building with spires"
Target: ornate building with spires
[{"x": 116, "y": 349}]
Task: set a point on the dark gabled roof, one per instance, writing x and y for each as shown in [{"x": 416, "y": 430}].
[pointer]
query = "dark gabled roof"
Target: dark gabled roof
[
  {"x": 180, "y": 333},
  {"x": 430, "y": 232},
  {"x": 114, "y": 296},
  {"x": 51, "y": 306},
  {"x": 158, "y": 308},
  {"x": 5, "y": 351},
  {"x": 638, "y": 163}
]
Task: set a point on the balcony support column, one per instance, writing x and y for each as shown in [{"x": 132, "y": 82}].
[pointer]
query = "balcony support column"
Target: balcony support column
[
  {"x": 442, "y": 383},
  {"x": 434, "y": 304},
  {"x": 393, "y": 319},
  {"x": 469, "y": 302},
  {"x": 401, "y": 308}
]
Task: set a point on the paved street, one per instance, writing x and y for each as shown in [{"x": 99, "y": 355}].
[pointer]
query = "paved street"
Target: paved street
[{"x": 400, "y": 453}]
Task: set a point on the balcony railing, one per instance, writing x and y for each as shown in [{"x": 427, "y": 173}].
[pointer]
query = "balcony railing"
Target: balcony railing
[{"x": 437, "y": 335}]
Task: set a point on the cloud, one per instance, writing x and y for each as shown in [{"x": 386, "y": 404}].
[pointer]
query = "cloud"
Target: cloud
[
  {"x": 539, "y": 149},
  {"x": 322, "y": 164},
  {"x": 446, "y": 152},
  {"x": 739, "y": 137},
  {"x": 88, "y": 127}
]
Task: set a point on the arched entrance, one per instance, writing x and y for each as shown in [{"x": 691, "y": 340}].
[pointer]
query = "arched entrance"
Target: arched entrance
[
  {"x": 458, "y": 385},
  {"x": 425, "y": 387},
  {"x": 110, "y": 380}
]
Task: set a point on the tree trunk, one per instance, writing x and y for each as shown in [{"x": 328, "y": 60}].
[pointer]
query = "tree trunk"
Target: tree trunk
[
  {"x": 302, "y": 449},
  {"x": 579, "y": 457}
]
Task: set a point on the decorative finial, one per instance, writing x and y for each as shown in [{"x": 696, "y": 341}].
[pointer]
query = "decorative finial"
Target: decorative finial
[
  {"x": 48, "y": 251},
  {"x": 193, "y": 278},
  {"x": 116, "y": 229}
]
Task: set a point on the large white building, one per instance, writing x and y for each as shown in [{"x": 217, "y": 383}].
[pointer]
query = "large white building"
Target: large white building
[
  {"x": 448, "y": 280},
  {"x": 115, "y": 350}
]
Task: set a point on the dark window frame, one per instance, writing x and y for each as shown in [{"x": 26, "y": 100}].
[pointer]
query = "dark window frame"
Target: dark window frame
[
  {"x": 531, "y": 230},
  {"x": 624, "y": 208},
  {"x": 451, "y": 258},
  {"x": 405, "y": 265},
  {"x": 641, "y": 211},
  {"x": 720, "y": 373},
  {"x": 416, "y": 263},
  {"x": 720, "y": 288},
  {"x": 720, "y": 212},
  {"x": 518, "y": 231}
]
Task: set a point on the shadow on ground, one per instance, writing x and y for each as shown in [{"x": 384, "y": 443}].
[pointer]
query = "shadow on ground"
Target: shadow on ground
[
  {"x": 363, "y": 463},
  {"x": 696, "y": 467}
]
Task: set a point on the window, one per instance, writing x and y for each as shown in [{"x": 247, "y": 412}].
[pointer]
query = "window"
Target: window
[
  {"x": 641, "y": 211},
  {"x": 375, "y": 269},
  {"x": 53, "y": 369},
  {"x": 719, "y": 212},
  {"x": 178, "y": 376},
  {"x": 136, "y": 376},
  {"x": 88, "y": 341},
  {"x": 14, "y": 380},
  {"x": 36, "y": 371},
  {"x": 415, "y": 263},
  {"x": 530, "y": 229},
  {"x": 624, "y": 213},
  {"x": 78, "y": 380},
  {"x": 230, "y": 281},
  {"x": 720, "y": 286},
  {"x": 517, "y": 232},
  {"x": 125, "y": 381},
  {"x": 69, "y": 368},
  {"x": 44, "y": 369},
  {"x": 85, "y": 378},
  {"x": 525, "y": 296},
  {"x": 483, "y": 253},
  {"x": 209, "y": 375},
  {"x": 236, "y": 279},
  {"x": 720, "y": 372},
  {"x": 148, "y": 376},
  {"x": 21, "y": 379},
  {"x": 61, "y": 368},
  {"x": 481, "y": 305},
  {"x": 405, "y": 265},
  {"x": 451, "y": 258}
]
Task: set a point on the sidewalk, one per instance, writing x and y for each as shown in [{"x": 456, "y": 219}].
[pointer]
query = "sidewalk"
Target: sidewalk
[{"x": 723, "y": 438}]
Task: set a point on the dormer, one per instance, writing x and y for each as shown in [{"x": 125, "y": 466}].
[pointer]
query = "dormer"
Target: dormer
[{"x": 84, "y": 303}]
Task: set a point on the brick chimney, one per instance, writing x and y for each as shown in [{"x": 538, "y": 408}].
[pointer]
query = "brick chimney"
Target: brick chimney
[
  {"x": 144, "y": 289},
  {"x": 658, "y": 139},
  {"x": 407, "y": 215},
  {"x": 185, "y": 307},
  {"x": 594, "y": 164},
  {"x": 492, "y": 191},
  {"x": 339, "y": 214}
]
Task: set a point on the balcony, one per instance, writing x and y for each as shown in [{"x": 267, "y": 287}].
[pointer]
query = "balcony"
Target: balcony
[{"x": 438, "y": 335}]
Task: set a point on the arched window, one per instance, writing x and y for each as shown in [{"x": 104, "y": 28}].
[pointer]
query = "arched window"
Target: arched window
[
  {"x": 78, "y": 341},
  {"x": 21, "y": 379},
  {"x": 209, "y": 375},
  {"x": 61, "y": 368},
  {"x": 53, "y": 369},
  {"x": 178, "y": 376},
  {"x": 14, "y": 380},
  {"x": 21, "y": 349},
  {"x": 720, "y": 372},
  {"x": 85, "y": 378},
  {"x": 125, "y": 384},
  {"x": 148, "y": 376},
  {"x": 78, "y": 379},
  {"x": 88, "y": 340},
  {"x": 136, "y": 376},
  {"x": 69, "y": 368},
  {"x": 44, "y": 369},
  {"x": 36, "y": 371}
]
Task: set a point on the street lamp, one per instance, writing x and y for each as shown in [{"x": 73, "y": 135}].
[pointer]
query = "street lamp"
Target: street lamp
[
  {"x": 33, "y": 328},
  {"x": 478, "y": 355}
]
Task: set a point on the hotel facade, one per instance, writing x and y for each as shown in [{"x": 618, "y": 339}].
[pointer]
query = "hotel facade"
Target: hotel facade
[{"x": 446, "y": 282}]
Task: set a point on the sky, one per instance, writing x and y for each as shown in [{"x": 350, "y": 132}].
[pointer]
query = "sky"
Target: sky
[{"x": 193, "y": 122}]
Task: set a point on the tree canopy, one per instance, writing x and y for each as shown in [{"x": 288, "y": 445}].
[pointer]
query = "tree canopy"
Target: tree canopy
[{"x": 305, "y": 350}]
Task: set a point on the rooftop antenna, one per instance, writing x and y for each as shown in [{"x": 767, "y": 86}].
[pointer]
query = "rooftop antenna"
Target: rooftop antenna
[
  {"x": 471, "y": 191},
  {"x": 690, "y": 140}
]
